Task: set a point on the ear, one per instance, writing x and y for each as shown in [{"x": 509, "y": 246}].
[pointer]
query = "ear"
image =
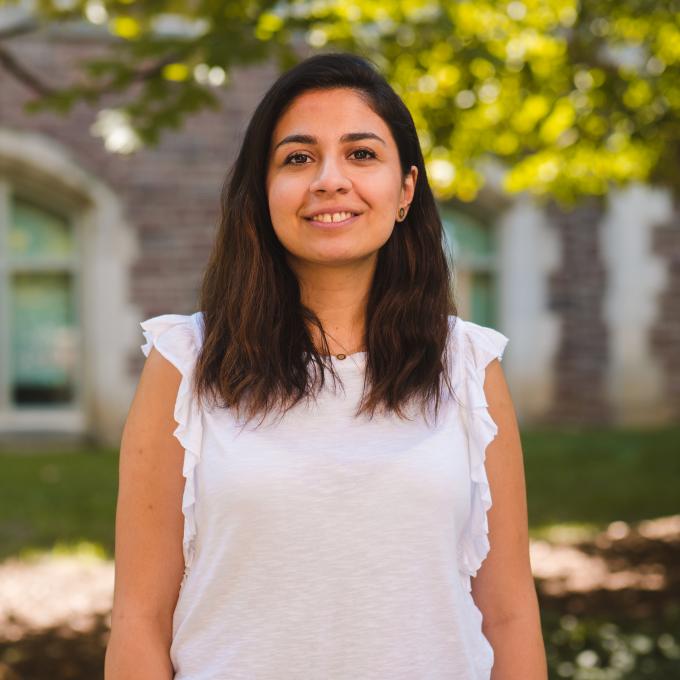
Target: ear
[{"x": 408, "y": 188}]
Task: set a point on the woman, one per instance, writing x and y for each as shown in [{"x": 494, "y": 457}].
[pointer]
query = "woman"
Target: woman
[{"x": 336, "y": 537}]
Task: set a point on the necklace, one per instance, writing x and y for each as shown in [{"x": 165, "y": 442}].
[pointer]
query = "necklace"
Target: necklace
[{"x": 347, "y": 352}]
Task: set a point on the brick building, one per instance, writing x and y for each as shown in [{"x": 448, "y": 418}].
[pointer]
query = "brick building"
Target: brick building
[{"x": 92, "y": 242}]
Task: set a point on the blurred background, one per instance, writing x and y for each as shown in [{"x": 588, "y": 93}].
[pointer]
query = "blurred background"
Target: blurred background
[{"x": 551, "y": 132}]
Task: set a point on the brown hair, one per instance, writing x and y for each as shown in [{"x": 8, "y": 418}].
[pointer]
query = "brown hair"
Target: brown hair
[{"x": 257, "y": 347}]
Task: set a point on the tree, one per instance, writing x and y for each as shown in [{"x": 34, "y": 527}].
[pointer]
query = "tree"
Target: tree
[{"x": 570, "y": 97}]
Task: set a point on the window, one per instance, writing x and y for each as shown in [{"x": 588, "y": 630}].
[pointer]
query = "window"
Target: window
[
  {"x": 39, "y": 310},
  {"x": 473, "y": 249}
]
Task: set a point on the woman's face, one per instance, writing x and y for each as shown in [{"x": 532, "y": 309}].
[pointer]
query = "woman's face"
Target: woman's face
[{"x": 331, "y": 153}]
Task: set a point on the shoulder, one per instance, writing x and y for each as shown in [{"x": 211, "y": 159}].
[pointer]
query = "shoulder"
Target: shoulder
[
  {"x": 177, "y": 337},
  {"x": 173, "y": 342},
  {"x": 473, "y": 348},
  {"x": 480, "y": 344}
]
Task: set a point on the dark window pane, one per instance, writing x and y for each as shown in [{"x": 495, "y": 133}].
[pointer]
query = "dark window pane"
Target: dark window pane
[{"x": 44, "y": 338}]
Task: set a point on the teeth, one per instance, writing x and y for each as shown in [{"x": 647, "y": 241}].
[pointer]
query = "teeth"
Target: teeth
[{"x": 335, "y": 217}]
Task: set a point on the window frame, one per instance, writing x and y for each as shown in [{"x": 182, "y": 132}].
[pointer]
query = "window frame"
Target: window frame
[
  {"x": 467, "y": 264},
  {"x": 67, "y": 418}
]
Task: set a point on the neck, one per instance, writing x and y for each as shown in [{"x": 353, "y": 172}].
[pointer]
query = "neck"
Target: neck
[{"x": 338, "y": 296}]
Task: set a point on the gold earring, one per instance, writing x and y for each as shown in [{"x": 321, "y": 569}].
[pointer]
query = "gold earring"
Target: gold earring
[{"x": 402, "y": 212}]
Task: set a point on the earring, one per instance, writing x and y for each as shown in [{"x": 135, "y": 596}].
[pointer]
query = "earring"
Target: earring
[{"x": 402, "y": 212}]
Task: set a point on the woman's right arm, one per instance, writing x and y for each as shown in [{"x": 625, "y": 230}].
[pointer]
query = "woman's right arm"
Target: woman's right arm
[{"x": 149, "y": 564}]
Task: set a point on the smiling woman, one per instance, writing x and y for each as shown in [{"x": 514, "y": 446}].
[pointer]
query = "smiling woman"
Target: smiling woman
[
  {"x": 330, "y": 229},
  {"x": 338, "y": 537}
]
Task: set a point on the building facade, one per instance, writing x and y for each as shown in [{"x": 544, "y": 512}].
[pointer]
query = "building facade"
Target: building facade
[{"x": 92, "y": 242}]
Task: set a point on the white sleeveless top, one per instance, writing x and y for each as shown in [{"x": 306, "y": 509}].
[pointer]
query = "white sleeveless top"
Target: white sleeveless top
[{"x": 326, "y": 547}]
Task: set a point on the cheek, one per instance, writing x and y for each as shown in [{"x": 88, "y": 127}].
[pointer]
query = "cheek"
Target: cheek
[
  {"x": 283, "y": 206},
  {"x": 281, "y": 196},
  {"x": 383, "y": 190}
]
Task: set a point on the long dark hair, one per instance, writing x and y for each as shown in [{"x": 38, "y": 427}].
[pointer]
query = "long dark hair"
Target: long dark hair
[{"x": 257, "y": 346}]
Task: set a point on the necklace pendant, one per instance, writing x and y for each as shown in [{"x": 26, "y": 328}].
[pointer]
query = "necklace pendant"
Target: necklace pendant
[{"x": 341, "y": 356}]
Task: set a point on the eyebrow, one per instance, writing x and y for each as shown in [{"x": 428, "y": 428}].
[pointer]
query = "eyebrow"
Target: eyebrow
[{"x": 348, "y": 137}]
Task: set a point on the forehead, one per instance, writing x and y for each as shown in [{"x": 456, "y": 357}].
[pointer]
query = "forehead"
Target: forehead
[{"x": 329, "y": 111}]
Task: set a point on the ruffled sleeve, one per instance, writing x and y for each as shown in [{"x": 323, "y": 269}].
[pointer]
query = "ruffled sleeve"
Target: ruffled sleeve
[
  {"x": 475, "y": 347},
  {"x": 178, "y": 338}
]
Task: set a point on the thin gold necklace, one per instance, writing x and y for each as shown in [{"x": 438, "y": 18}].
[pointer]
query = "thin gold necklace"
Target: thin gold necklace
[{"x": 342, "y": 355}]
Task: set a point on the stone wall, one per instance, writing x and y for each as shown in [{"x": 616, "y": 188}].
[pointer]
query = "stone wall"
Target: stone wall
[{"x": 577, "y": 291}]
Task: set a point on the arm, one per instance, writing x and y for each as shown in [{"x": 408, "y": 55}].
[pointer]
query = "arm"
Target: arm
[
  {"x": 504, "y": 588},
  {"x": 149, "y": 530}
]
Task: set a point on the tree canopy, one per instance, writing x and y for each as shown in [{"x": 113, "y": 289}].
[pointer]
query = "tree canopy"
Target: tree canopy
[{"x": 570, "y": 97}]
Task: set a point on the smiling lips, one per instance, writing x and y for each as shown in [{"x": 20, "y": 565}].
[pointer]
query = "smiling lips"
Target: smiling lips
[{"x": 333, "y": 219}]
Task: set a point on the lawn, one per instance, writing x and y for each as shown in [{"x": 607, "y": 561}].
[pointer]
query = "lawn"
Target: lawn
[
  {"x": 584, "y": 478},
  {"x": 57, "y": 498},
  {"x": 595, "y": 477}
]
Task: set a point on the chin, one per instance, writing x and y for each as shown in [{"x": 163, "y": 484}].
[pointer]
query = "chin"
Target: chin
[{"x": 332, "y": 255}]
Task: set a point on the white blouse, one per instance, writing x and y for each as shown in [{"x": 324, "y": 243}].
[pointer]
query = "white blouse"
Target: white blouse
[{"x": 322, "y": 546}]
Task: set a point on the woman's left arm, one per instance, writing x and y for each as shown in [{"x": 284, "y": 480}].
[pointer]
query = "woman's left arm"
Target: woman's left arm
[{"x": 504, "y": 588}]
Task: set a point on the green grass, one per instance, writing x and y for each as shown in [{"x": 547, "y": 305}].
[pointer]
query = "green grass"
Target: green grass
[
  {"x": 57, "y": 499},
  {"x": 582, "y": 478},
  {"x": 595, "y": 477}
]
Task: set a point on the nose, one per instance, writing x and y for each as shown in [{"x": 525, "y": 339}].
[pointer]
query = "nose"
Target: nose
[{"x": 330, "y": 177}]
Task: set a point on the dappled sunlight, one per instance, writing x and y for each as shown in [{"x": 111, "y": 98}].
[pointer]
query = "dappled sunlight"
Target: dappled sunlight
[
  {"x": 567, "y": 569},
  {"x": 54, "y": 590},
  {"x": 605, "y": 563},
  {"x": 609, "y": 600}
]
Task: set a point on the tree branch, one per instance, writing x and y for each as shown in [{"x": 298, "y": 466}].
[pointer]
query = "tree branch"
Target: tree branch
[
  {"x": 22, "y": 74},
  {"x": 39, "y": 87},
  {"x": 27, "y": 25}
]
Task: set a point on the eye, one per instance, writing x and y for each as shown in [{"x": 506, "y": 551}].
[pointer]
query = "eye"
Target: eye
[
  {"x": 289, "y": 160},
  {"x": 371, "y": 154}
]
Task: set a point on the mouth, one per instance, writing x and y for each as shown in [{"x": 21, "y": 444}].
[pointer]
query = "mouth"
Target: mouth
[{"x": 331, "y": 224}]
